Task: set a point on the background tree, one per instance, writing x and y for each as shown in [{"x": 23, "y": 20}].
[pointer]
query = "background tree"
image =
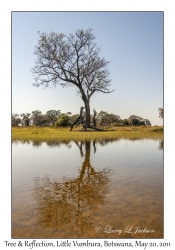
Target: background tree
[
  {"x": 63, "y": 121},
  {"x": 125, "y": 122},
  {"x": 69, "y": 113},
  {"x": 38, "y": 118},
  {"x": 104, "y": 118},
  {"x": 16, "y": 120},
  {"x": 71, "y": 61},
  {"x": 120, "y": 122},
  {"x": 73, "y": 117},
  {"x": 52, "y": 116},
  {"x": 160, "y": 112},
  {"x": 25, "y": 119},
  {"x": 133, "y": 120},
  {"x": 147, "y": 122},
  {"x": 138, "y": 121}
]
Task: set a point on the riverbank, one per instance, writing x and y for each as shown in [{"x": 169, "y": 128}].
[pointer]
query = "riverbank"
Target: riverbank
[{"x": 63, "y": 134}]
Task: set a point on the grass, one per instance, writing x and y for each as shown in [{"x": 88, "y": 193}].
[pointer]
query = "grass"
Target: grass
[{"x": 39, "y": 134}]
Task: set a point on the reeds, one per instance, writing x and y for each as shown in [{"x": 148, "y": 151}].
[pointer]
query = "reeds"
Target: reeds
[{"x": 63, "y": 134}]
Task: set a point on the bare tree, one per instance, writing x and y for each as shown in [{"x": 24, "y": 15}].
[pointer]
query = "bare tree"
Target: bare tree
[{"x": 71, "y": 60}]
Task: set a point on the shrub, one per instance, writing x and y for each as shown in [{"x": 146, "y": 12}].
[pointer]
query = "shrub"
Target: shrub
[{"x": 63, "y": 121}]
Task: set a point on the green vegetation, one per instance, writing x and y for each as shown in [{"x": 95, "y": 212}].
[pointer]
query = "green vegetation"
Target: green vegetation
[
  {"x": 63, "y": 134},
  {"x": 55, "y": 126},
  {"x": 63, "y": 121},
  {"x": 54, "y": 118},
  {"x": 159, "y": 130}
]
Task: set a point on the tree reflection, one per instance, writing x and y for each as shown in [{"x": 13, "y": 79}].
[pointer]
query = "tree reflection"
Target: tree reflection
[
  {"x": 58, "y": 143},
  {"x": 37, "y": 144},
  {"x": 161, "y": 143},
  {"x": 72, "y": 200}
]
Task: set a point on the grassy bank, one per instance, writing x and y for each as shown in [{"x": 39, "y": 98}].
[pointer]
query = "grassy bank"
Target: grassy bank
[{"x": 63, "y": 134}]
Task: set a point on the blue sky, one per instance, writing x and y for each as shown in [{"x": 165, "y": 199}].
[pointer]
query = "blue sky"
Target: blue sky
[{"x": 131, "y": 41}]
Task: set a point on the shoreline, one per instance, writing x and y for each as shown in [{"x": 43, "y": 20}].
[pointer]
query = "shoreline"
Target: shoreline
[{"x": 63, "y": 134}]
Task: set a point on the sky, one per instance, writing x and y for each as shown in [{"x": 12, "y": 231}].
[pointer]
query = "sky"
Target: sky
[{"x": 131, "y": 41}]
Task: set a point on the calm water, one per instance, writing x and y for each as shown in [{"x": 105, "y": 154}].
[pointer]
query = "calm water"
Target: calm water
[{"x": 107, "y": 189}]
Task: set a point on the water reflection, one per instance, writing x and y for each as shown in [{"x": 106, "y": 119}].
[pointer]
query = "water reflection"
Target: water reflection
[
  {"x": 37, "y": 144},
  {"x": 161, "y": 144},
  {"x": 101, "y": 142},
  {"x": 68, "y": 188},
  {"x": 72, "y": 200}
]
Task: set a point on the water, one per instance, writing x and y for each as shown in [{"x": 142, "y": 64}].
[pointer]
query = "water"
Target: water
[{"x": 107, "y": 189}]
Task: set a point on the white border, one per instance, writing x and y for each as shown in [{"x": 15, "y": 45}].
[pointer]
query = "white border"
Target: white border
[{"x": 5, "y": 95}]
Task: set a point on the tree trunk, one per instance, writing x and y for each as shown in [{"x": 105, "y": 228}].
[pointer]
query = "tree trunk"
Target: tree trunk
[
  {"x": 94, "y": 120},
  {"x": 80, "y": 117},
  {"x": 88, "y": 115}
]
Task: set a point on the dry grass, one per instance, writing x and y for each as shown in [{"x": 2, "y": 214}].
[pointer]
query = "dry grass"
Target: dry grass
[{"x": 63, "y": 134}]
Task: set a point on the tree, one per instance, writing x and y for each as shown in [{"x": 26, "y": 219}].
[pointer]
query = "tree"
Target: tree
[
  {"x": 73, "y": 117},
  {"x": 134, "y": 120},
  {"x": 79, "y": 119},
  {"x": 160, "y": 112},
  {"x": 63, "y": 120},
  {"x": 147, "y": 122},
  {"x": 105, "y": 118},
  {"x": 71, "y": 61},
  {"x": 25, "y": 119},
  {"x": 52, "y": 116},
  {"x": 16, "y": 120},
  {"x": 38, "y": 118},
  {"x": 125, "y": 122},
  {"x": 69, "y": 113}
]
